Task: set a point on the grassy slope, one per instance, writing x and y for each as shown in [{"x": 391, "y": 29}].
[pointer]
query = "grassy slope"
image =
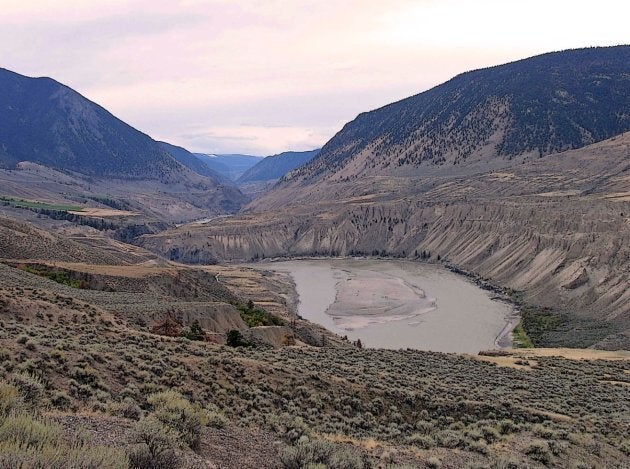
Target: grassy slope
[
  {"x": 380, "y": 406},
  {"x": 423, "y": 404}
]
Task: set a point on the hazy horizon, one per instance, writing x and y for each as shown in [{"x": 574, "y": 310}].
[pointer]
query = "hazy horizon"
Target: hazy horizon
[{"x": 217, "y": 76}]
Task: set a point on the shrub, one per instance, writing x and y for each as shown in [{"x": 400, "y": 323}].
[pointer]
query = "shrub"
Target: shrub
[
  {"x": 299, "y": 456},
  {"x": 449, "y": 439},
  {"x": 544, "y": 432},
  {"x": 26, "y": 431},
  {"x": 478, "y": 446},
  {"x": 421, "y": 441},
  {"x": 234, "y": 338},
  {"x": 215, "y": 419},
  {"x": 345, "y": 458},
  {"x": 155, "y": 446},
  {"x": 490, "y": 434},
  {"x": 538, "y": 451},
  {"x": 177, "y": 413},
  {"x": 127, "y": 409},
  {"x": 507, "y": 426},
  {"x": 22, "y": 339},
  {"x": 194, "y": 332},
  {"x": 507, "y": 462},
  {"x": 60, "y": 400},
  {"x": 255, "y": 317},
  {"x": 13, "y": 455},
  {"x": 424, "y": 427},
  {"x": 557, "y": 447},
  {"x": 315, "y": 453},
  {"x": 10, "y": 400},
  {"x": 30, "y": 387}
]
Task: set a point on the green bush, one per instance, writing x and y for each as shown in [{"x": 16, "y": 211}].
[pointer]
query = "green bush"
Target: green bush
[
  {"x": 255, "y": 317},
  {"x": 449, "y": 439},
  {"x": 215, "y": 419},
  {"x": 194, "y": 332},
  {"x": 13, "y": 455},
  {"x": 177, "y": 413},
  {"x": 538, "y": 451},
  {"x": 155, "y": 446},
  {"x": 507, "y": 426},
  {"x": 345, "y": 459},
  {"x": 234, "y": 338},
  {"x": 421, "y": 441},
  {"x": 26, "y": 431},
  {"x": 10, "y": 400},
  {"x": 60, "y": 400},
  {"x": 30, "y": 387}
]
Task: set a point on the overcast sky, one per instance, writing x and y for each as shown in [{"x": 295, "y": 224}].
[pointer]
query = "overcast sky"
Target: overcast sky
[{"x": 261, "y": 77}]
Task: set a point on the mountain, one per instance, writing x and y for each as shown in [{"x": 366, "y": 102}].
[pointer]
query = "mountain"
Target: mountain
[
  {"x": 57, "y": 146},
  {"x": 48, "y": 123},
  {"x": 231, "y": 166},
  {"x": 192, "y": 162},
  {"x": 275, "y": 166},
  {"x": 528, "y": 108}
]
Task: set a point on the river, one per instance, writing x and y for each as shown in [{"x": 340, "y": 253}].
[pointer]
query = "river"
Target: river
[{"x": 399, "y": 304}]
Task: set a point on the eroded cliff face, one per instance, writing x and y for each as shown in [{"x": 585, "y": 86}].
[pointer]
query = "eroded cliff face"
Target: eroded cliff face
[{"x": 557, "y": 231}]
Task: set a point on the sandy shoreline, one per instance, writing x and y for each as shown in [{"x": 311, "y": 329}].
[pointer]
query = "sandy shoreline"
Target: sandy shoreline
[{"x": 399, "y": 304}]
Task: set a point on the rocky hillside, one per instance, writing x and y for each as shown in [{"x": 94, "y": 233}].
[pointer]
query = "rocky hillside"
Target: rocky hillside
[{"x": 529, "y": 108}]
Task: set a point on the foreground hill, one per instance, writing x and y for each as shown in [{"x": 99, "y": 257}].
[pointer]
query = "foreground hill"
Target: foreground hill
[
  {"x": 57, "y": 146},
  {"x": 90, "y": 376}
]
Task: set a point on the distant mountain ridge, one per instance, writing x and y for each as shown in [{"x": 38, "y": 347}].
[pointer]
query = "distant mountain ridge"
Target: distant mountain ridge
[
  {"x": 231, "y": 166},
  {"x": 275, "y": 166},
  {"x": 192, "y": 162},
  {"x": 531, "y": 107}
]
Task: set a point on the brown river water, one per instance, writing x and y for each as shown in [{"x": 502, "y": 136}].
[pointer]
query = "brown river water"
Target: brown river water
[{"x": 399, "y": 304}]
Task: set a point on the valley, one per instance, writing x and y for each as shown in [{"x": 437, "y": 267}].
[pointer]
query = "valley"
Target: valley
[
  {"x": 445, "y": 283},
  {"x": 513, "y": 225}
]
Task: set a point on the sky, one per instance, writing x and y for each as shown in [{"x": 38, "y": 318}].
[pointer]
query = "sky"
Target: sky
[{"x": 262, "y": 77}]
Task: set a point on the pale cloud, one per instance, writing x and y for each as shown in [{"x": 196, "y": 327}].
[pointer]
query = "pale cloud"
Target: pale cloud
[
  {"x": 264, "y": 77},
  {"x": 250, "y": 139}
]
